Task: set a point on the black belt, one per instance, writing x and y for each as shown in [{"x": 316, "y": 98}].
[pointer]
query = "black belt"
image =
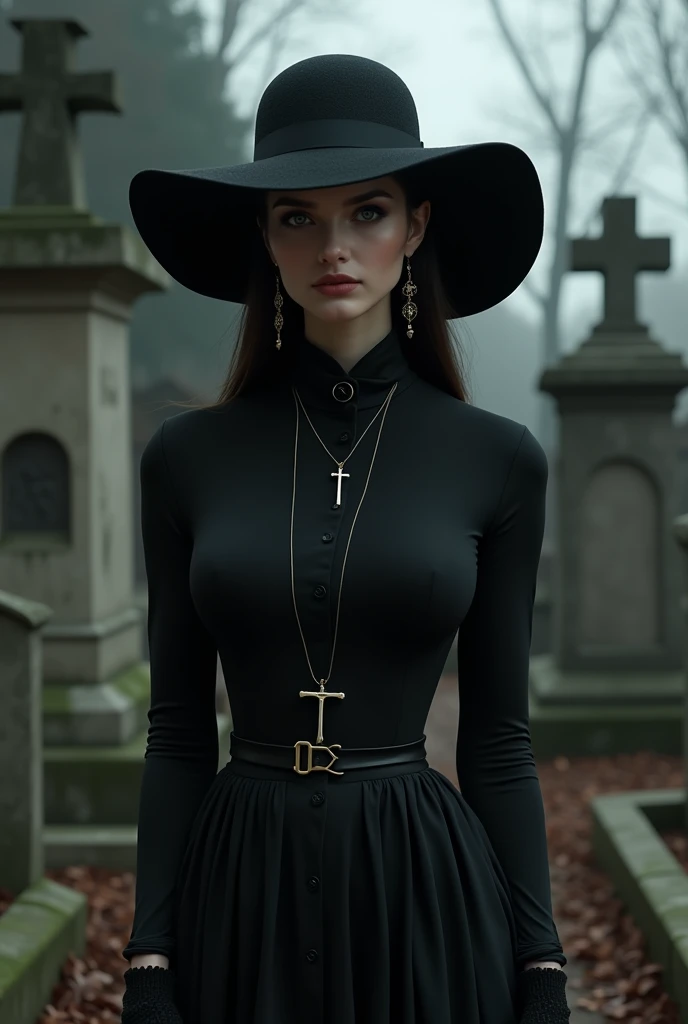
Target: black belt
[{"x": 305, "y": 757}]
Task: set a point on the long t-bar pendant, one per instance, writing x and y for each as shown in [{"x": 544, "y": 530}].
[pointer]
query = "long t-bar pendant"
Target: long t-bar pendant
[
  {"x": 340, "y": 474},
  {"x": 321, "y": 694}
]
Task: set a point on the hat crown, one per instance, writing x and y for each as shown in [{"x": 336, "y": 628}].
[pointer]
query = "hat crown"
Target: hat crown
[{"x": 336, "y": 86}]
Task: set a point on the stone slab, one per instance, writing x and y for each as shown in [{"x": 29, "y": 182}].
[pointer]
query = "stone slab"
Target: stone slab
[
  {"x": 40, "y": 929},
  {"x": 647, "y": 877},
  {"x": 100, "y": 785}
]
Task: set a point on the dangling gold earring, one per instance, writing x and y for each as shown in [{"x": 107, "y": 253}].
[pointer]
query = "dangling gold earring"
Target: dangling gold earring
[
  {"x": 279, "y": 319},
  {"x": 409, "y": 290}
]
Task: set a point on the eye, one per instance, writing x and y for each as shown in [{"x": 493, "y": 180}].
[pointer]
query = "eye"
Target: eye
[
  {"x": 375, "y": 209},
  {"x": 286, "y": 220},
  {"x": 288, "y": 216}
]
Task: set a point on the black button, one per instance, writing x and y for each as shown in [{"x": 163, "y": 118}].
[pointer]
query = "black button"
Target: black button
[
  {"x": 327, "y": 537},
  {"x": 313, "y": 883},
  {"x": 317, "y": 799},
  {"x": 312, "y": 955},
  {"x": 343, "y": 437},
  {"x": 319, "y": 591},
  {"x": 344, "y": 391}
]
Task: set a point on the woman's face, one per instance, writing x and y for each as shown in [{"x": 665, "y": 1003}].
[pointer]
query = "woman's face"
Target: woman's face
[{"x": 361, "y": 230}]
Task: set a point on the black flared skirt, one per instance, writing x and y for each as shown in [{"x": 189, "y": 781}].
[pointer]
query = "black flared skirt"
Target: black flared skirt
[{"x": 373, "y": 897}]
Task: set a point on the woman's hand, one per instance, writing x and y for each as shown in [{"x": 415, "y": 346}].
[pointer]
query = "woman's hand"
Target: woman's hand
[{"x": 149, "y": 960}]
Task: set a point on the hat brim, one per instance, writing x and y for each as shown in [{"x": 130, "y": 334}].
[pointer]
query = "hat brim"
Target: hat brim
[{"x": 487, "y": 209}]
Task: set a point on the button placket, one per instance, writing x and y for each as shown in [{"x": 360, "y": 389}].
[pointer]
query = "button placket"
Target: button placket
[
  {"x": 339, "y": 437},
  {"x": 335, "y": 417}
]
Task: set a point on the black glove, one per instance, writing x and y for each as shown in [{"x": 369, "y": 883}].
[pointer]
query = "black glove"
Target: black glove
[
  {"x": 149, "y": 996},
  {"x": 542, "y": 998}
]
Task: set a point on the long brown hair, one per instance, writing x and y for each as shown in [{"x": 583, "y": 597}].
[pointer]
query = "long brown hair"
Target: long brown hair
[{"x": 434, "y": 352}]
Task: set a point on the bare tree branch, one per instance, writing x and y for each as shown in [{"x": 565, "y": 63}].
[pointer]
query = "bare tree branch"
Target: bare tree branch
[
  {"x": 592, "y": 138},
  {"x": 591, "y": 40},
  {"x": 536, "y": 295},
  {"x": 642, "y": 185},
  {"x": 230, "y": 18},
  {"x": 594, "y": 36},
  {"x": 271, "y": 31},
  {"x": 669, "y": 93},
  {"x": 517, "y": 52},
  {"x": 540, "y": 54},
  {"x": 638, "y": 78},
  {"x": 565, "y": 132},
  {"x": 275, "y": 44},
  {"x": 625, "y": 168},
  {"x": 614, "y": 11},
  {"x": 666, "y": 48},
  {"x": 270, "y": 25},
  {"x": 537, "y": 135}
]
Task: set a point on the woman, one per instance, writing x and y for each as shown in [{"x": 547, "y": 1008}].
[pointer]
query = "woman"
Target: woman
[{"x": 327, "y": 526}]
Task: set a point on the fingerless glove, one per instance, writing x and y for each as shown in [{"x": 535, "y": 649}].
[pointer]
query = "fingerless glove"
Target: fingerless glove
[
  {"x": 542, "y": 996},
  {"x": 149, "y": 996}
]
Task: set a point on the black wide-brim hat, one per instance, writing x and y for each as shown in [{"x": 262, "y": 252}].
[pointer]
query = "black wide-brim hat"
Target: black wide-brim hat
[{"x": 333, "y": 120}]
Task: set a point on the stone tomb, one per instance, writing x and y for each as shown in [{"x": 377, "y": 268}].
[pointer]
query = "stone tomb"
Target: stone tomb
[
  {"x": 613, "y": 681},
  {"x": 67, "y": 285}
]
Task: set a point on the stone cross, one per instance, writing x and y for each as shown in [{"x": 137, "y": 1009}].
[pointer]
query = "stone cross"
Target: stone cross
[
  {"x": 51, "y": 93},
  {"x": 620, "y": 254}
]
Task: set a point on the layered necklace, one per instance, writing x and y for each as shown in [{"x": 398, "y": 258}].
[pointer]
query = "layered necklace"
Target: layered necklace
[{"x": 321, "y": 693}]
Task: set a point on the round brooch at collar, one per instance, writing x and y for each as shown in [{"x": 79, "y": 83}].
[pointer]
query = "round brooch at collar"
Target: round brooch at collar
[{"x": 344, "y": 391}]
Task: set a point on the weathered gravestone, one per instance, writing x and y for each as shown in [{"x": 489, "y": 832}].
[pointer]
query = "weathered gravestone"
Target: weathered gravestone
[
  {"x": 680, "y": 533},
  {"x": 613, "y": 680},
  {"x": 45, "y": 922},
  {"x": 67, "y": 284}
]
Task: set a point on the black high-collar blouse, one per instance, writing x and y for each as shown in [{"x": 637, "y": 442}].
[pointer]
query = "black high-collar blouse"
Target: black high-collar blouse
[{"x": 448, "y": 536}]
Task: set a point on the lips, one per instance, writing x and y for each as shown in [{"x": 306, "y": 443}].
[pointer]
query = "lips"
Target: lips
[
  {"x": 335, "y": 290},
  {"x": 335, "y": 279}
]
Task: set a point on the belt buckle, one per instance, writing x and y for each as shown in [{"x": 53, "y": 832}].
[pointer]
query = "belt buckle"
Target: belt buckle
[{"x": 314, "y": 767}]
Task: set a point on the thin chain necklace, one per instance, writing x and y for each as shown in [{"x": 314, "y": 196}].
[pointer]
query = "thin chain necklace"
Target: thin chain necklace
[
  {"x": 321, "y": 694},
  {"x": 339, "y": 474}
]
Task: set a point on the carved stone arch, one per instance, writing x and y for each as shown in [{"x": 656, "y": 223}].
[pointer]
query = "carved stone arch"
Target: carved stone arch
[
  {"x": 36, "y": 488},
  {"x": 619, "y": 545}
]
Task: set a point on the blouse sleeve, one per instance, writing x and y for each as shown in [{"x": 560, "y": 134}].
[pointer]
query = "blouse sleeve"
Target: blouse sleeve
[
  {"x": 494, "y": 756},
  {"x": 182, "y": 750}
]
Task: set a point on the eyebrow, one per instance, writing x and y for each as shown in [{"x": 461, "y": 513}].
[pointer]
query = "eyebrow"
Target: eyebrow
[{"x": 373, "y": 194}]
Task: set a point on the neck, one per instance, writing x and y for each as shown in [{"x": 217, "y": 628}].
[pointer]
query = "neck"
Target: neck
[
  {"x": 322, "y": 382},
  {"x": 348, "y": 341}
]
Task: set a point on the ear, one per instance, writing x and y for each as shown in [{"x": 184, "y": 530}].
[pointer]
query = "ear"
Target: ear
[
  {"x": 419, "y": 222},
  {"x": 265, "y": 239}
]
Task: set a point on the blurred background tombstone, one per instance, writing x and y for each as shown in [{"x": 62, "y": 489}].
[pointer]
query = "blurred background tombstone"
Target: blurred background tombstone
[
  {"x": 45, "y": 922},
  {"x": 68, "y": 281},
  {"x": 612, "y": 682}
]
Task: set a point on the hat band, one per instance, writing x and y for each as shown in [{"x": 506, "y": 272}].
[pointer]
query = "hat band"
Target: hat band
[{"x": 333, "y": 132}]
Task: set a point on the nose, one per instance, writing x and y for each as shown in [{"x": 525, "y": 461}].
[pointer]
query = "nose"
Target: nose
[{"x": 335, "y": 248}]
